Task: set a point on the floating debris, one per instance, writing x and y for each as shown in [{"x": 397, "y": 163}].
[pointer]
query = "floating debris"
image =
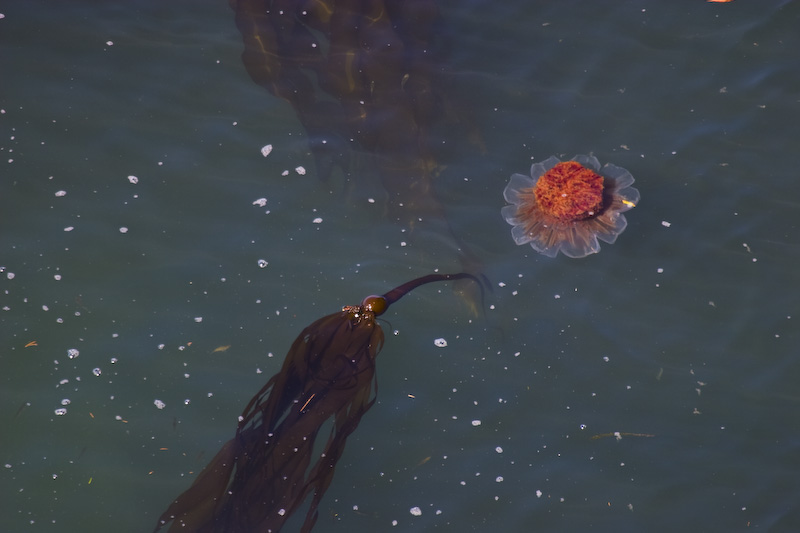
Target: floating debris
[{"x": 266, "y": 150}]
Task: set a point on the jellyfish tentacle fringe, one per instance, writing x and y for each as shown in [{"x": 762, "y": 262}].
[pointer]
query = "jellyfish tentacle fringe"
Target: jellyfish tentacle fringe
[{"x": 264, "y": 473}]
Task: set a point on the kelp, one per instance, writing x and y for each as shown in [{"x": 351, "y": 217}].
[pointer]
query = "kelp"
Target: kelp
[
  {"x": 370, "y": 83},
  {"x": 260, "y": 477}
]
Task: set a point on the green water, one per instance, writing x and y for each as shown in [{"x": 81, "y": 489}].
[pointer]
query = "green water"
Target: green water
[{"x": 681, "y": 335}]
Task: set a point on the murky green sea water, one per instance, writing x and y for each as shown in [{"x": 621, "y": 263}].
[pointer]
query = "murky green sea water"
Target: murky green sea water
[{"x": 682, "y": 336}]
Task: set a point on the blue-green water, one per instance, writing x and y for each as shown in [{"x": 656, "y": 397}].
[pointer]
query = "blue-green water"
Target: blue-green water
[{"x": 681, "y": 336}]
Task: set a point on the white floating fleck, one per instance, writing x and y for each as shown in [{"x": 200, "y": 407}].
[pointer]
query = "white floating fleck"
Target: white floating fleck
[
  {"x": 57, "y": 277},
  {"x": 123, "y": 229},
  {"x": 266, "y": 150},
  {"x": 262, "y": 263},
  {"x": 285, "y": 173},
  {"x": 317, "y": 220},
  {"x": 538, "y": 493},
  {"x": 198, "y": 319},
  {"x": 300, "y": 170},
  {"x": 476, "y": 423},
  {"x": 45, "y": 308},
  {"x": 440, "y": 342},
  {"x": 281, "y": 512},
  {"x": 498, "y": 479},
  {"x": 69, "y": 228},
  {"x": 72, "y": 353},
  {"x": 416, "y": 511},
  {"x": 110, "y": 43},
  {"x": 114, "y": 360},
  {"x": 133, "y": 179},
  {"x": 61, "y": 193},
  {"x": 158, "y": 403},
  {"x": 261, "y": 202},
  {"x": 96, "y": 371},
  {"x": 666, "y": 224},
  {"x": 499, "y": 449},
  {"x": 66, "y": 401},
  {"x": 60, "y": 411}
]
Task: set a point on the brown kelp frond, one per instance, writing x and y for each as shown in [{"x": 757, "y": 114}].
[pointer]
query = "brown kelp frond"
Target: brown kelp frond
[
  {"x": 328, "y": 372},
  {"x": 270, "y": 467}
]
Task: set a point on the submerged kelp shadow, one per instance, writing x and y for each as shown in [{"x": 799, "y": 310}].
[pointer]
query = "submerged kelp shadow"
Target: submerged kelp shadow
[
  {"x": 264, "y": 473},
  {"x": 369, "y": 83}
]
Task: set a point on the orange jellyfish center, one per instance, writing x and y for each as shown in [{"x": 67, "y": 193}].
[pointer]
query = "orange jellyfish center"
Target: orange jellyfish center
[{"x": 569, "y": 192}]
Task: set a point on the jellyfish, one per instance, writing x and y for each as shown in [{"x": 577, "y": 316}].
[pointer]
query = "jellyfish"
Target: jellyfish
[
  {"x": 263, "y": 474},
  {"x": 567, "y": 206}
]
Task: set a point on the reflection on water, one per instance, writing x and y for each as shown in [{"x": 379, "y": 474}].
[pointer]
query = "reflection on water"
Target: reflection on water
[{"x": 683, "y": 329}]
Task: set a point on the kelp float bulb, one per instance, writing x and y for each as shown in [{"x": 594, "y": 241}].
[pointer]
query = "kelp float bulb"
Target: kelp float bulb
[{"x": 375, "y": 303}]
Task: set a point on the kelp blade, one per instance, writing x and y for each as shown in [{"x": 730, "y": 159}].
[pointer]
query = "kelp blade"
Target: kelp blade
[{"x": 262, "y": 475}]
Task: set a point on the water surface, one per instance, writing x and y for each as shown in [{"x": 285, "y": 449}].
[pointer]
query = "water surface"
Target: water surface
[{"x": 681, "y": 336}]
